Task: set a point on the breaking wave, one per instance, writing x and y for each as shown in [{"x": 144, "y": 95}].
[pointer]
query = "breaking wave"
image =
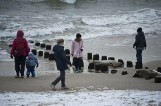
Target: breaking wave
[
  {"x": 29, "y": 0},
  {"x": 69, "y": 1},
  {"x": 125, "y": 23}
]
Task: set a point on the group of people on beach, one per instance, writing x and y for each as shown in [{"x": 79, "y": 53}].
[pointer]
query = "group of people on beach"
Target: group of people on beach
[
  {"x": 20, "y": 51},
  {"x": 62, "y": 61},
  {"x": 23, "y": 57}
]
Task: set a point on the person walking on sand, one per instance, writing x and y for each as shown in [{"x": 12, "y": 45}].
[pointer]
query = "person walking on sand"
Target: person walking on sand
[
  {"x": 62, "y": 64},
  {"x": 19, "y": 51},
  {"x": 76, "y": 52},
  {"x": 139, "y": 45},
  {"x": 31, "y": 62}
]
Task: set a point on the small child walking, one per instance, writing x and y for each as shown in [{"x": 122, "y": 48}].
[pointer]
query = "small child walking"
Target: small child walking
[{"x": 31, "y": 63}]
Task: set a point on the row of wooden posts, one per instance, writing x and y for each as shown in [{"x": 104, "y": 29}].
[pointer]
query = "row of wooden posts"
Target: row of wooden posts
[
  {"x": 96, "y": 57},
  {"x": 102, "y": 67},
  {"x": 91, "y": 66},
  {"x": 46, "y": 54},
  {"x": 97, "y": 67},
  {"x": 51, "y": 56}
]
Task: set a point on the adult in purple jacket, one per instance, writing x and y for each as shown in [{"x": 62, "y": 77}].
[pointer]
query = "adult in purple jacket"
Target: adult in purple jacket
[{"x": 19, "y": 51}]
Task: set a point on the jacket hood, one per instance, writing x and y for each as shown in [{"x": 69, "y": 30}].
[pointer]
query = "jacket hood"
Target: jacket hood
[
  {"x": 78, "y": 40},
  {"x": 57, "y": 47},
  {"x": 20, "y": 34},
  {"x": 31, "y": 54}
]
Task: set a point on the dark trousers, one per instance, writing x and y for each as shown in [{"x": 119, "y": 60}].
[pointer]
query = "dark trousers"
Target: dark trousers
[
  {"x": 31, "y": 69},
  {"x": 20, "y": 65},
  {"x": 139, "y": 56},
  {"x": 78, "y": 63},
  {"x": 60, "y": 78}
]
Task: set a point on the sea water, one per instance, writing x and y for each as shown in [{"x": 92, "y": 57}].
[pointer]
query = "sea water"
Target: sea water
[{"x": 54, "y": 19}]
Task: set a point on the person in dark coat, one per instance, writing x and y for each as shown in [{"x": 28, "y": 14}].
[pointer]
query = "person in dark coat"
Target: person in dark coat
[
  {"x": 19, "y": 50},
  {"x": 139, "y": 45},
  {"x": 61, "y": 62}
]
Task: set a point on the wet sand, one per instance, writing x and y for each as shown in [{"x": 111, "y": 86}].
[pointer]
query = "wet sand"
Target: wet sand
[
  {"x": 121, "y": 49},
  {"x": 91, "y": 81}
]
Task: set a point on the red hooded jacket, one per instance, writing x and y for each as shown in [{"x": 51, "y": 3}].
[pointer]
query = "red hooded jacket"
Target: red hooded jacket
[{"x": 19, "y": 38}]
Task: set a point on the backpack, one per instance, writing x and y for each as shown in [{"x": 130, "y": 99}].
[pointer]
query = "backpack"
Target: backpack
[{"x": 20, "y": 45}]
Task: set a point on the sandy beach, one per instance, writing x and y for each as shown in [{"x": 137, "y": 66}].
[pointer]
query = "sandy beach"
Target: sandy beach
[
  {"x": 47, "y": 72},
  {"x": 87, "y": 88},
  {"x": 108, "y": 28}
]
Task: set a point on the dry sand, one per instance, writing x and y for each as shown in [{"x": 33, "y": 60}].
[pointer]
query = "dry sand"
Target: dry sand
[{"x": 118, "y": 47}]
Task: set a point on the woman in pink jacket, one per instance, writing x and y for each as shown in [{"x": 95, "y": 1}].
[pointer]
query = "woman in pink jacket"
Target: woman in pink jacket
[{"x": 76, "y": 52}]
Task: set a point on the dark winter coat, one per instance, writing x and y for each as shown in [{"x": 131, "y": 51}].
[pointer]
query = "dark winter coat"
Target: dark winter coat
[
  {"x": 60, "y": 58},
  {"x": 140, "y": 41}
]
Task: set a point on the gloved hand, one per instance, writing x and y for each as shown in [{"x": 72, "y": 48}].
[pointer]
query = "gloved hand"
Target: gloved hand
[
  {"x": 27, "y": 66},
  {"x": 11, "y": 56},
  {"x": 37, "y": 65},
  {"x": 133, "y": 46},
  {"x": 71, "y": 65}
]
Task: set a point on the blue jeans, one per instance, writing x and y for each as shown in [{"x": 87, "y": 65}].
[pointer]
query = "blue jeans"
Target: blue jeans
[
  {"x": 31, "y": 69},
  {"x": 139, "y": 56}
]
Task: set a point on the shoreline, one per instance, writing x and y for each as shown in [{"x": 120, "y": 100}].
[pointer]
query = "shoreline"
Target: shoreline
[
  {"x": 77, "y": 81},
  {"x": 118, "y": 47}
]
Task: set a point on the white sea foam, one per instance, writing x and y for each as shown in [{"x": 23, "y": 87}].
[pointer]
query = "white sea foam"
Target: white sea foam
[
  {"x": 36, "y": 29},
  {"x": 140, "y": 16},
  {"x": 127, "y": 23},
  {"x": 58, "y": 27},
  {"x": 65, "y": 1},
  {"x": 30, "y": 0},
  {"x": 69, "y": 1},
  {"x": 91, "y": 26}
]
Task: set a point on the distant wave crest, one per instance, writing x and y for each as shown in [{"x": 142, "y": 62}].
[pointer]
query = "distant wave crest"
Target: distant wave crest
[
  {"x": 30, "y": 0},
  {"x": 91, "y": 26},
  {"x": 69, "y": 1},
  {"x": 126, "y": 23},
  {"x": 133, "y": 16},
  {"x": 65, "y": 1}
]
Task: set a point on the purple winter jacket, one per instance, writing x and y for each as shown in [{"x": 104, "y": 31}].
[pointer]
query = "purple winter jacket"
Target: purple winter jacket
[{"x": 19, "y": 39}]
